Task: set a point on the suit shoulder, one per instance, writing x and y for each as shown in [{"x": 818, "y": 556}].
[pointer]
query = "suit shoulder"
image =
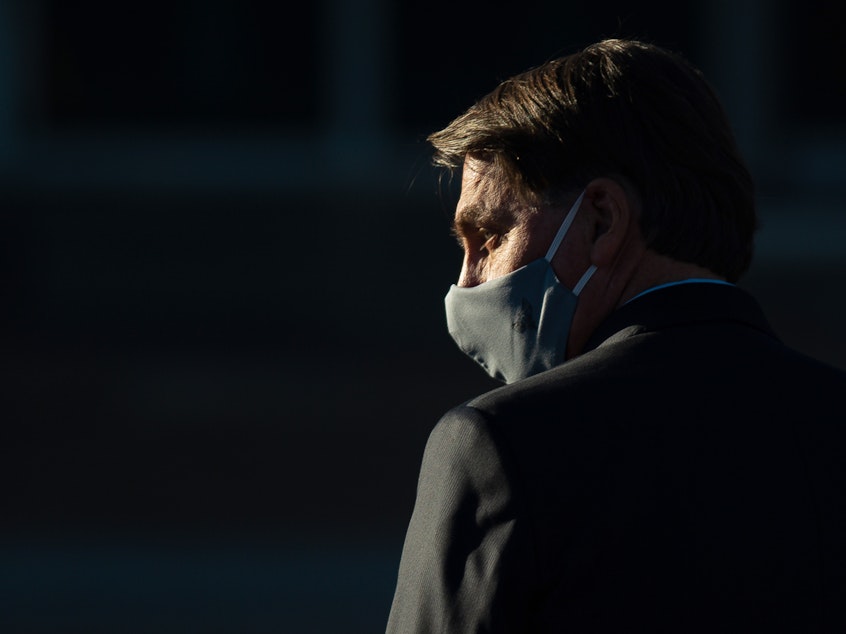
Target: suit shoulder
[
  {"x": 578, "y": 380},
  {"x": 462, "y": 432}
]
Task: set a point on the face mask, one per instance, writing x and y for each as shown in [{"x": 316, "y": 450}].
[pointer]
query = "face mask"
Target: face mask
[{"x": 517, "y": 325}]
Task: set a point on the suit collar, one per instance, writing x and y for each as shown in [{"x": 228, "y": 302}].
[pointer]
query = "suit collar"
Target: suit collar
[{"x": 681, "y": 305}]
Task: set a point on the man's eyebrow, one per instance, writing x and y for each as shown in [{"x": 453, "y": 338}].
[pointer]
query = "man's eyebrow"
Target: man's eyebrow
[
  {"x": 475, "y": 215},
  {"x": 465, "y": 220},
  {"x": 469, "y": 215}
]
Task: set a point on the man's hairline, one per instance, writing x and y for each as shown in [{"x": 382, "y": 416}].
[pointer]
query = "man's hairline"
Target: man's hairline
[{"x": 549, "y": 197}]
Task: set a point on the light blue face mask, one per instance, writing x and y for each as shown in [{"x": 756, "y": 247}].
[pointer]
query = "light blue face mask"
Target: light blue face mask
[{"x": 517, "y": 325}]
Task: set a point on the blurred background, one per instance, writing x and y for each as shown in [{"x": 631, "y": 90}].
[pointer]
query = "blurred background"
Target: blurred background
[{"x": 223, "y": 256}]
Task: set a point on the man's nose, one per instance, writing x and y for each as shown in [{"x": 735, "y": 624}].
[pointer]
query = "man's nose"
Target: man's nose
[{"x": 469, "y": 275}]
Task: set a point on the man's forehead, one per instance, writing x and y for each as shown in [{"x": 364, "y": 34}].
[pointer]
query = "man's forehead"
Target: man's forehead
[
  {"x": 485, "y": 194},
  {"x": 474, "y": 169},
  {"x": 488, "y": 197},
  {"x": 477, "y": 173}
]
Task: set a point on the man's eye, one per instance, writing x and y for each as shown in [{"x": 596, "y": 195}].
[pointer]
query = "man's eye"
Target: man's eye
[{"x": 490, "y": 240}]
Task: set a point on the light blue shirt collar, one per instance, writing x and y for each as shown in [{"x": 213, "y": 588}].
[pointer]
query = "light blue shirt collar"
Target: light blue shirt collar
[{"x": 692, "y": 280}]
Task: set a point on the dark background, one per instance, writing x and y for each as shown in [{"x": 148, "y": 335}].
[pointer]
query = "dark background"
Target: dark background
[{"x": 223, "y": 257}]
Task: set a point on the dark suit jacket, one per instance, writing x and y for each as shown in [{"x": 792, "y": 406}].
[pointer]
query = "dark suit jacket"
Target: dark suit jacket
[{"x": 687, "y": 473}]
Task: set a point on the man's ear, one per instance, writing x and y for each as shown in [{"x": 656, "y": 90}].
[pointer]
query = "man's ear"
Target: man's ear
[{"x": 613, "y": 218}]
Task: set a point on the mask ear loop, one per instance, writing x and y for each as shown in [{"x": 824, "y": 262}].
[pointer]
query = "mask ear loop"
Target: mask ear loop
[
  {"x": 585, "y": 278},
  {"x": 559, "y": 237},
  {"x": 562, "y": 230}
]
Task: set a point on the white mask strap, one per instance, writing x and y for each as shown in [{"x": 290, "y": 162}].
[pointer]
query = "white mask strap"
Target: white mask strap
[
  {"x": 585, "y": 278},
  {"x": 562, "y": 230}
]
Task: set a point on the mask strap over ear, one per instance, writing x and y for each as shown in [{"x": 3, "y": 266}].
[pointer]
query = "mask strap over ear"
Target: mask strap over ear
[{"x": 562, "y": 230}]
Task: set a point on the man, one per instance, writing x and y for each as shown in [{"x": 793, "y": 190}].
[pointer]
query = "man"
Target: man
[{"x": 658, "y": 460}]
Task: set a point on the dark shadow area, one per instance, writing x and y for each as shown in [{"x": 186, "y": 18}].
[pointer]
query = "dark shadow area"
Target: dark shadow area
[
  {"x": 221, "y": 407},
  {"x": 223, "y": 259}
]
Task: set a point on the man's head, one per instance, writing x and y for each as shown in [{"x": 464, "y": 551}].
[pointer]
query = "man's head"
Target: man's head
[{"x": 626, "y": 111}]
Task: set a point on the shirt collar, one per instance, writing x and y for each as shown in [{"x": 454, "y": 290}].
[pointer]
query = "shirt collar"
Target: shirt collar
[{"x": 690, "y": 280}]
